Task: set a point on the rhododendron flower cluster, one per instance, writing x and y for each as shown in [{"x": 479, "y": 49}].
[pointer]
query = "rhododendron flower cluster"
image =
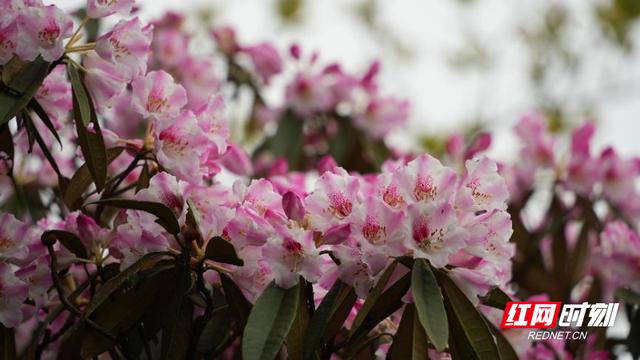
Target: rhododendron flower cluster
[{"x": 132, "y": 225}]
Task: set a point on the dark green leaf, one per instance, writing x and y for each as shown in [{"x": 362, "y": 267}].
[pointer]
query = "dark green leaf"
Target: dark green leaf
[
  {"x": 409, "y": 341},
  {"x": 165, "y": 216},
  {"x": 22, "y": 83},
  {"x": 6, "y": 144},
  {"x": 91, "y": 141},
  {"x": 387, "y": 304},
  {"x": 288, "y": 141},
  {"x": 496, "y": 298},
  {"x": 240, "y": 306},
  {"x": 8, "y": 342},
  {"x": 372, "y": 298},
  {"x": 69, "y": 240},
  {"x": 296, "y": 335},
  {"x": 218, "y": 327},
  {"x": 429, "y": 304},
  {"x": 104, "y": 292},
  {"x": 81, "y": 180},
  {"x": 176, "y": 332},
  {"x": 118, "y": 315},
  {"x": 633, "y": 345},
  {"x": 341, "y": 310},
  {"x": 33, "y": 132},
  {"x": 269, "y": 322},
  {"x": 320, "y": 319},
  {"x": 471, "y": 332},
  {"x": 221, "y": 250},
  {"x": 504, "y": 347},
  {"x": 44, "y": 117},
  {"x": 144, "y": 179}
]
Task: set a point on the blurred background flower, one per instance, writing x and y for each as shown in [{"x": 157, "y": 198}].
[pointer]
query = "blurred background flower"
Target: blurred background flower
[{"x": 462, "y": 63}]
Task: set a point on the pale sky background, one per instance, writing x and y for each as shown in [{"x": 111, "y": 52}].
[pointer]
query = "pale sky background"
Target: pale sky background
[{"x": 443, "y": 98}]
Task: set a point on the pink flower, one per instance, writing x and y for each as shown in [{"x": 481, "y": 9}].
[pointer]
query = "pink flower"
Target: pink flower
[
  {"x": 211, "y": 119},
  {"x": 12, "y": 293},
  {"x": 167, "y": 190},
  {"x": 93, "y": 237},
  {"x": 8, "y": 41},
  {"x": 583, "y": 171},
  {"x": 353, "y": 270},
  {"x": 180, "y": 146},
  {"x": 333, "y": 200},
  {"x": 225, "y": 37},
  {"x": 619, "y": 176},
  {"x": 424, "y": 179},
  {"x": 215, "y": 204},
  {"x": 256, "y": 273},
  {"x": 538, "y": 142},
  {"x": 375, "y": 224},
  {"x": 101, "y": 8},
  {"x": 488, "y": 237},
  {"x": 266, "y": 60},
  {"x": 170, "y": 47},
  {"x": 382, "y": 116},
  {"x": 104, "y": 81},
  {"x": 249, "y": 226},
  {"x": 617, "y": 258},
  {"x": 199, "y": 77},
  {"x": 42, "y": 30},
  {"x": 127, "y": 45},
  {"x": 291, "y": 252},
  {"x": 237, "y": 160},
  {"x": 55, "y": 96},
  {"x": 14, "y": 238},
  {"x": 136, "y": 234},
  {"x": 435, "y": 233},
  {"x": 157, "y": 96},
  {"x": 308, "y": 94},
  {"x": 482, "y": 188}
]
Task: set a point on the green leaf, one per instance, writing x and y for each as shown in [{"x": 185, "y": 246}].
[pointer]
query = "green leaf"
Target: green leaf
[
  {"x": 81, "y": 180},
  {"x": 144, "y": 179},
  {"x": 472, "y": 337},
  {"x": 288, "y": 141},
  {"x": 504, "y": 346},
  {"x": 429, "y": 304},
  {"x": 44, "y": 117},
  {"x": 33, "y": 132},
  {"x": 240, "y": 306},
  {"x": 91, "y": 142},
  {"x": 372, "y": 298},
  {"x": 118, "y": 315},
  {"x": 8, "y": 342},
  {"x": 410, "y": 340},
  {"x": 341, "y": 310},
  {"x": 269, "y": 322},
  {"x": 320, "y": 319},
  {"x": 22, "y": 83},
  {"x": 166, "y": 218},
  {"x": 218, "y": 327},
  {"x": 176, "y": 332},
  {"x": 496, "y": 298},
  {"x": 296, "y": 335},
  {"x": 221, "y": 250},
  {"x": 69, "y": 240},
  {"x": 387, "y": 304},
  {"x": 103, "y": 293},
  {"x": 6, "y": 142}
]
